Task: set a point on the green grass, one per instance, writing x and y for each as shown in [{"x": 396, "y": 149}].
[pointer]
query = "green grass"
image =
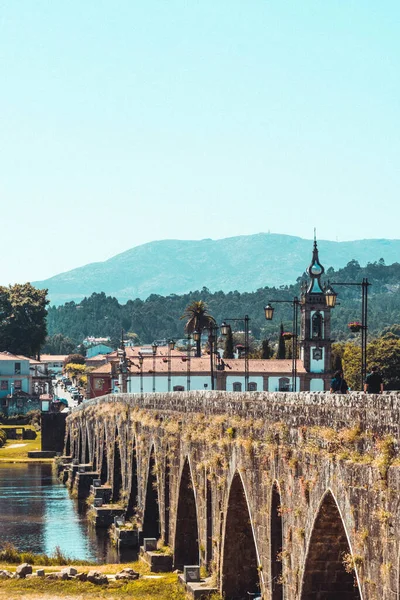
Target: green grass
[
  {"x": 20, "y": 454},
  {"x": 163, "y": 588}
]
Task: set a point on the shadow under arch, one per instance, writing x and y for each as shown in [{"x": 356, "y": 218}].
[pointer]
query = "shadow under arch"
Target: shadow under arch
[
  {"x": 167, "y": 496},
  {"x": 276, "y": 544},
  {"x": 117, "y": 469},
  {"x": 104, "y": 465},
  {"x": 325, "y": 575},
  {"x": 86, "y": 455},
  {"x": 239, "y": 562},
  {"x": 68, "y": 444},
  {"x": 186, "y": 547},
  {"x": 81, "y": 448},
  {"x": 133, "y": 495},
  {"x": 151, "y": 517}
]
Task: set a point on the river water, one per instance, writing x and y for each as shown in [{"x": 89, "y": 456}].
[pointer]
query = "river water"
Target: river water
[{"x": 38, "y": 515}]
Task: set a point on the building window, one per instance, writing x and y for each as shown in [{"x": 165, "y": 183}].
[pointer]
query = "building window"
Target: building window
[
  {"x": 284, "y": 384},
  {"x": 20, "y": 403},
  {"x": 237, "y": 386},
  {"x": 178, "y": 388},
  {"x": 317, "y": 323},
  {"x": 252, "y": 386},
  {"x": 17, "y": 369},
  {"x": 4, "y": 384},
  {"x": 18, "y": 384}
]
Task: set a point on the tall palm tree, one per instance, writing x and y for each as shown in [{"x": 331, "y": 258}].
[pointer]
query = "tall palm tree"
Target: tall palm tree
[{"x": 198, "y": 319}]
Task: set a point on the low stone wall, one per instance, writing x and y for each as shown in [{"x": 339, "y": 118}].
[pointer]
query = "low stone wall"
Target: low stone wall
[{"x": 377, "y": 413}]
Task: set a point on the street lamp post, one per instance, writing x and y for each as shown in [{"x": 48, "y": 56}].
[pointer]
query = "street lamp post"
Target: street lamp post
[
  {"x": 331, "y": 296},
  {"x": 225, "y": 330},
  {"x": 212, "y": 338},
  {"x": 122, "y": 366},
  {"x": 154, "y": 347},
  {"x": 269, "y": 313},
  {"x": 171, "y": 346},
  {"x": 141, "y": 371},
  {"x": 188, "y": 359}
]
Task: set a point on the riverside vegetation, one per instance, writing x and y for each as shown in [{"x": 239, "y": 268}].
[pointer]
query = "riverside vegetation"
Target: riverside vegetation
[{"x": 146, "y": 587}]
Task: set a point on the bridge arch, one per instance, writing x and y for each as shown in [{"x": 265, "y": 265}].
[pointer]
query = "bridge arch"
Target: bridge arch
[
  {"x": 186, "y": 547},
  {"x": 132, "y": 481},
  {"x": 104, "y": 458},
  {"x": 240, "y": 557},
  {"x": 151, "y": 515},
  {"x": 67, "y": 444},
  {"x": 324, "y": 573},
  {"x": 117, "y": 479},
  {"x": 167, "y": 494},
  {"x": 276, "y": 537}
]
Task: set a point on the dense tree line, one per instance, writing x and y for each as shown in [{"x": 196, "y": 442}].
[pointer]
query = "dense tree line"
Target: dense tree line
[{"x": 159, "y": 317}]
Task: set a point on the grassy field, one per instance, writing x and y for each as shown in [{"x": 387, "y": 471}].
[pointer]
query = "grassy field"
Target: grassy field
[
  {"x": 148, "y": 587},
  {"x": 17, "y": 450}
]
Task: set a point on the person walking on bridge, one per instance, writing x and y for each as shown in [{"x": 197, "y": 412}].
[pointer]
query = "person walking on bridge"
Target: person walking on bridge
[
  {"x": 373, "y": 382},
  {"x": 339, "y": 384}
]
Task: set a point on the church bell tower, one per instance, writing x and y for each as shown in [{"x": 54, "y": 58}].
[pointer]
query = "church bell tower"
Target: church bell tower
[{"x": 315, "y": 329}]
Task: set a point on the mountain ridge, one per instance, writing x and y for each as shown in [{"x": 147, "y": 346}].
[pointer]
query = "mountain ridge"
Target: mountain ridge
[{"x": 242, "y": 263}]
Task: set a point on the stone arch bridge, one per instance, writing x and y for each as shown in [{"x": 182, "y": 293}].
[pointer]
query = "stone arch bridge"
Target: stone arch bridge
[{"x": 295, "y": 495}]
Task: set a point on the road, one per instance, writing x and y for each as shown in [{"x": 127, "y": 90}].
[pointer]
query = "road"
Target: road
[{"x": 59, "y": 392}]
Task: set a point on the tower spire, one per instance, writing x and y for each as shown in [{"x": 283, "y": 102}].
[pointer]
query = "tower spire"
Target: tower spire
[{"x": 315, "y": 270}]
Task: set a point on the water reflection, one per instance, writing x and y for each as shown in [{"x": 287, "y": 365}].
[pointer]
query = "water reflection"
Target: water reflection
[{"x": 38, "y": 515}]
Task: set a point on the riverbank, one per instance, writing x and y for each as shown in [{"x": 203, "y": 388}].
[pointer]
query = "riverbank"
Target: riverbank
[
  {"x": 147, "y": 587},
  {"x": 16, "y": 451}
]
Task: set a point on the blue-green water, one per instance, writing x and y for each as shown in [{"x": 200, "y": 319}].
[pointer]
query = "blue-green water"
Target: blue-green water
[{"x": 38, "y": 515}]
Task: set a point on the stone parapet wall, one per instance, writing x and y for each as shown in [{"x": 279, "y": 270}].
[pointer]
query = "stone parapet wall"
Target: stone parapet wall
[{"x": 379, "y": 414}]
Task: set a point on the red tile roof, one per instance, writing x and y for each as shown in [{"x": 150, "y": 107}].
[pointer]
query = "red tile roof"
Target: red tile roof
[{"x": 179, "y": 364}]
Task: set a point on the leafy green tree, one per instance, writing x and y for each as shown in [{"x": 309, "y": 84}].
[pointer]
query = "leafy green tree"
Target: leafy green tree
[
  {"x": 384, "y": 352},
  {"x": 281, "y": 352},
  {"x": 197, "y": 319},
  {"x": 266, "y": 350},
  {"x": 58, "y": 344},
  {"x": 76, "y": 359},
  {"x": 336, "y": 357},
  {"x": 351, "y": 361},
  {"x": 228, "y": 347},
  {"x": 23, "y": 319}
]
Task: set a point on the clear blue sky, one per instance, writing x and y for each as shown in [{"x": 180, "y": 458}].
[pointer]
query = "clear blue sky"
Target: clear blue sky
[{"x": 127, "y": 121}]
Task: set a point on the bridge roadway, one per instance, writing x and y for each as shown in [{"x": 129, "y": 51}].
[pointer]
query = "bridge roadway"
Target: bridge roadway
[{"x": 294, "y": 493}]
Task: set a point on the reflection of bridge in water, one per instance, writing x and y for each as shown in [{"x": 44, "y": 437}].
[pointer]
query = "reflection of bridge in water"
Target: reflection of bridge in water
[{"x": 296, "y": 493}]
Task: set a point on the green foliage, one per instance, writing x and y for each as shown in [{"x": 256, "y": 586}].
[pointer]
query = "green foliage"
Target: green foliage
[
  {"x": 384, "y": 352},
  {"x": 159, "y": 316},
  {"x": 228, "y": 347},
  {"x": 22, "y": 319},
  {"x": 197, "y": 319},
  {"x": 266, "y": 350},
  {"x": 75, "y": 359},
  {"x": 75, "y": 370},
  {"x": 58, "y": 344},
  {"x": 281, "y": 352}
]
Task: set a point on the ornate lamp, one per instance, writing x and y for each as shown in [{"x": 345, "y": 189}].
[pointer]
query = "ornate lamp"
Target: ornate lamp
[
  {"x": 330, "y": 296},
  {"x": 225, "y": 328},
  {"x": 269, "y": 312},
  {"x": 196, "y": 335}
]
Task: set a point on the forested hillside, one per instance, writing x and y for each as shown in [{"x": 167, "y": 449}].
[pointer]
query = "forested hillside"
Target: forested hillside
[
  {"x": 158, "y": 317},
  {"x": 242, "y": 263}
]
